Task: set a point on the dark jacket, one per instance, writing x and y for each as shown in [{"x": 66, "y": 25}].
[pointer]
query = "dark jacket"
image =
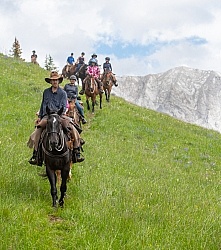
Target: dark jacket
[
  {"x": 54, "y": 101},
  {"x": 71, "y": 90}
]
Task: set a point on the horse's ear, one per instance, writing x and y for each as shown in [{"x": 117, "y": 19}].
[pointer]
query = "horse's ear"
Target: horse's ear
[
  {"x": 48, "y": 110},
  {"x": 60, "y": 111}
]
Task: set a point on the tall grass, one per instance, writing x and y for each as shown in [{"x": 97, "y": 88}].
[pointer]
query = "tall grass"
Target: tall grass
[{"x": 148, "y": 182}]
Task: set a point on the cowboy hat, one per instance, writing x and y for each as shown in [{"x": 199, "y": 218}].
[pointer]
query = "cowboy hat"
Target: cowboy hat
[{"x": 54, "y": 76}]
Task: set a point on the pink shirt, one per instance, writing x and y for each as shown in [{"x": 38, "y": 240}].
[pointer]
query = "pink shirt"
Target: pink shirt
[{"x": 93, "y": 71}]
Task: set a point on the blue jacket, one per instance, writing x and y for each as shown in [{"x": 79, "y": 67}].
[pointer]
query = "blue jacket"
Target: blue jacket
[{"x": 70, "y": 59}]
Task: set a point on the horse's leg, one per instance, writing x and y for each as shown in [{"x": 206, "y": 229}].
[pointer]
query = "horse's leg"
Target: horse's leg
[
  {"x": 93, "y": 100},
  {"x": 108, "y": 98},
  {"x": 70, "y": 173},
  {"x": 63, "y": 187},
  {"x": 100, "y": 101},
  {"x": 52, "y": 179},
  {"x": 106, "y": 94},
  {"x": 88, "y": 105}
]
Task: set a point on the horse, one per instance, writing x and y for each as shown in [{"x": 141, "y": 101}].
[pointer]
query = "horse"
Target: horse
[
  {"x": 81, "y": 74},
  {"x": 56, "y": 154},
  {"x": 91, "y": 91},
  {"x": 71, "y": 71},
  {"x": 74, "y": 113},
  {"x": 108, "y": 81}
]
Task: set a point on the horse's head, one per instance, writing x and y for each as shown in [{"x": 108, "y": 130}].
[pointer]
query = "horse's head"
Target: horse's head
[
  {"x": 92, "y": 84},
  {"x": 108, "y": 77},
  {"x": 54, "y": 129},
  {"x": 71, "y": 108}
]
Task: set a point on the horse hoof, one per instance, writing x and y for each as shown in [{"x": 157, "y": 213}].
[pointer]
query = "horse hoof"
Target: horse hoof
[{"x": 61, "y": 204}]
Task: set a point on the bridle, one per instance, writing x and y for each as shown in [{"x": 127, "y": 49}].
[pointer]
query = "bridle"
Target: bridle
[{"x": 61, "y": 137}]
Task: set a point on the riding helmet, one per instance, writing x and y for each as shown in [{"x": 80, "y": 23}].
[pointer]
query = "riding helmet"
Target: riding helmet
[
  {"x": 73, "y": 77},
  {"x": 107, "y": 58},
  {"x": 93, "y": 61}
]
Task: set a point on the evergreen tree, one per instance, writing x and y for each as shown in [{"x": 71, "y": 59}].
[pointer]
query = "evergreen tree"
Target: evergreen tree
[
  {"x": 49, "y": 63},
  {"x": 16, "y": 50}
]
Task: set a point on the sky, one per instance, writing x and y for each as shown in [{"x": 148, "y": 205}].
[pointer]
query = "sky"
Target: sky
[{"x": 141, "y": 37}]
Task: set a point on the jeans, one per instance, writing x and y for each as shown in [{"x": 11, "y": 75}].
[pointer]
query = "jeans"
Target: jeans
[{"x": 79, "y": 107}]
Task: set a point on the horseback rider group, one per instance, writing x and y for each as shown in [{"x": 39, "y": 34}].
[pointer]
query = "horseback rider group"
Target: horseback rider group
[{"x": 56, "y": 98}]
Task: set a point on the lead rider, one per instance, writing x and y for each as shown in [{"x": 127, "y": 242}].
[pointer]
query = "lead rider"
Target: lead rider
[{"x": 54, "y": 98}]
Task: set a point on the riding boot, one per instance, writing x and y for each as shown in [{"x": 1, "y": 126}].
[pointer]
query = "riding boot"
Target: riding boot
[
  {"x": 82, "y": 142},
  {"x": 83, "y": 119},
  {"x": 83, "y": 88},
  {"x": 33, "y": 160},
  {"x": 76, "y": 155}
]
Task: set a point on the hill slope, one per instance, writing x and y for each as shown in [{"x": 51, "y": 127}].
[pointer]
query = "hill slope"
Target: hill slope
[{"x": 148, "y": 181}]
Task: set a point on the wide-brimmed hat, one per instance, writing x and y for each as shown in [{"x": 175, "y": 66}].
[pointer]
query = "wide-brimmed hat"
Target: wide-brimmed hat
[{"x": 54, "y": 76}]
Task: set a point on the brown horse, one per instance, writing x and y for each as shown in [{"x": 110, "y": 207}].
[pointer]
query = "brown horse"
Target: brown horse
[
  {"x": 108, "y": 81},
  {"x": 67, "y": 72},
  {"x": 74, "y": 113},
  {"x": 91, "y": 91}
]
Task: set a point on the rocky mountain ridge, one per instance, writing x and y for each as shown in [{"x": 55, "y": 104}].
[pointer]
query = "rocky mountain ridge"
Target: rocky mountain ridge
[{"x": 188, "y": 94}]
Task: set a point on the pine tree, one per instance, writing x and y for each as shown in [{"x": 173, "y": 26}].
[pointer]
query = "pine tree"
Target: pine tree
[
  {"x": 16, "y": 50},
  {"x": 49, "y": 63}
]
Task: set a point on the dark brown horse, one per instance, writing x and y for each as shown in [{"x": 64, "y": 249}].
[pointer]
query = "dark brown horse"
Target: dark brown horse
[
  {"x": 82, "y": 73},
  {"x": 91, "y": 91},
  {"x": 56, "y": 155},
  {"x": 67, "y": 72},
  {"x": 108, "y": 82}
]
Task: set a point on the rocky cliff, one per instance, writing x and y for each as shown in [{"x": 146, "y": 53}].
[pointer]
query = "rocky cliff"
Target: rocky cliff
[{"x": 191, "y": 95}]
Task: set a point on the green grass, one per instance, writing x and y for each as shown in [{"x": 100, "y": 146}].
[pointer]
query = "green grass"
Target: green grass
[{"x": 148, "y": 182}]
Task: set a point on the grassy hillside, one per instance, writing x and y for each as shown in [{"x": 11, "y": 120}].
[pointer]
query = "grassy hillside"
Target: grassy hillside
[{"x": 148, "y": 181}]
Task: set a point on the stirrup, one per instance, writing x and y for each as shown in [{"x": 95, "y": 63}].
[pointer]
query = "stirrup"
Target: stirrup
[{"x": 79, "y": 158}]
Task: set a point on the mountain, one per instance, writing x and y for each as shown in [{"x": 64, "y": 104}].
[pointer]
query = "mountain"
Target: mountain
[{"x": 188, "y": 94}]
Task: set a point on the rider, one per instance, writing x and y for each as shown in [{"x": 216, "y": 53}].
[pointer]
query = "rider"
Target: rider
[
  {"x": 34, "y": 57},
  {"x": 72, "y": 93},
  {"x": 94, "y": 71},
  {"x": 55, "y": 98},
  {"x": 70, "y": 61},
  {"x": 108, "y": 68},
  {"x": 80, "y": 62},
  {"x": 94, "y": 56}
]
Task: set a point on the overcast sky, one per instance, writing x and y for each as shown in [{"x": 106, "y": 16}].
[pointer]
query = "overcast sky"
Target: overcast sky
[{"x": 140, "y": 36}]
